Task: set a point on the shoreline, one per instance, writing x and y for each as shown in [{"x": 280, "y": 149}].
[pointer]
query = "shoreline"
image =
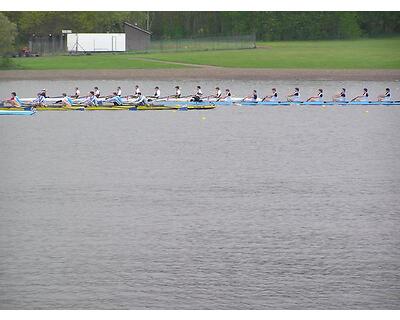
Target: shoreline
[{"x": 205, "y": 73}]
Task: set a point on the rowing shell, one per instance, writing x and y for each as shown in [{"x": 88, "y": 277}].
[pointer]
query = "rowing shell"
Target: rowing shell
[
  {"x": 192, "y": 103},
  {"x": 321, "y": 103},
  {"x": 111, "y": 108},
  {"x": 16, "y": 112}
]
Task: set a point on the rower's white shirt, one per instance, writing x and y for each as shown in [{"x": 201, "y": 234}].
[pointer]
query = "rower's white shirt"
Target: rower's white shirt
[
  {"x": 178, "y": 92},
  {"x": 157, "y": 93},
  {"x": 119, "y": 92},
  {"x": 219, "y": 93},
  {"x": 137, "y": 91},
  {"x": 199, "y": 92},
  {"x": 97, "y": 92},
  {"x": 77, "y": 92}
]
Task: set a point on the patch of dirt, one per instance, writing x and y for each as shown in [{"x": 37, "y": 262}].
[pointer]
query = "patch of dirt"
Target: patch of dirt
[{"x": 205, "y": 72}]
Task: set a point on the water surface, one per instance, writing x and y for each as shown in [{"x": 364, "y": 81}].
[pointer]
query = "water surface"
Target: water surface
[{"x": 232, "y": 208}]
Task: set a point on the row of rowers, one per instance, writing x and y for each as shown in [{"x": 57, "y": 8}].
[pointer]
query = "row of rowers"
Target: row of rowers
[
  {"x": 198, "y": 95},
  {"x": 319, "y": 96},
  {"x": 94, "y": 96},
  {"x": 116, "y": 98}
]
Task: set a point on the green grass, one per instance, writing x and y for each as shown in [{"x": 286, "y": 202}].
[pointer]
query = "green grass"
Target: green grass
[
  {"x": 95, "y": 61},
  {"x": 343, "y": 54},
  {"x": 357, "y": 54}
]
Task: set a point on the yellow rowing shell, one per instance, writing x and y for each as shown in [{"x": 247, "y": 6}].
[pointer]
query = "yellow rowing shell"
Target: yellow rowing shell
[{"x": 116, "y": 108}]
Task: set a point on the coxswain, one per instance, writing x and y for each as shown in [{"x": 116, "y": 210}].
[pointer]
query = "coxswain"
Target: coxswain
[
  {"x": 363, "y": 97},
  {"x": 97, "y": 92},
  {"x": 318, "y": 97},
  {"x": 115, "y": 99},
  {"x": 386, "y": 96},
  {"x": 66, "y": 101},
  {"x": 272, "y": 97},
  {"x": 77, "y": 93},
  {"x": 119, "y": 91},
  {"x": 141, "y": 100},
  {"x": 14, "y": 101},
  {"x": 341, "y": 96},
  {"x": 91, "y": 100},
  {"x": 295, "y": 97}
]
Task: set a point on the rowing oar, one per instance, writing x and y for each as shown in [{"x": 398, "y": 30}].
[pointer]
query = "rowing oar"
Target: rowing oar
[{"x": 54, "y": 97}]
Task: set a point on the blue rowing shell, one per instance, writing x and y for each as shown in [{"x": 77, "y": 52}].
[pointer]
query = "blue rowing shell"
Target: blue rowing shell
[
  {"x": 321, "y": 103},
  {"x": 16, "y": 112}
]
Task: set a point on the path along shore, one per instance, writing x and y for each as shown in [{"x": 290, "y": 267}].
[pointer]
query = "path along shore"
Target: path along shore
[{"x": 204, "y": 73}]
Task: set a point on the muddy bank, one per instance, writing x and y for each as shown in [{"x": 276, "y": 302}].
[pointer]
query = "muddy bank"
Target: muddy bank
[{"x": 203, "y": 73}]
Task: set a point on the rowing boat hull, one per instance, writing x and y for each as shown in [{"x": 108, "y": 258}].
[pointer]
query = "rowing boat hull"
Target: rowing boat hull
[
  {"x": 321, "y": 103},
  {"x": 191, "y": 103},
  {"x": 17, "y": 112},
  {"x": 112, "y": 108}
]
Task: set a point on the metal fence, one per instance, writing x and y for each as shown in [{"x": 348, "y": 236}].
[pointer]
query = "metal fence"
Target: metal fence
[
  {"x": 56, "y": 44},
  {"x": 203, "y": 44}
]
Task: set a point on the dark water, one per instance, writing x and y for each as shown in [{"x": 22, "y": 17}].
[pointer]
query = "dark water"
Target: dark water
[{"x": 243, "y": 208}]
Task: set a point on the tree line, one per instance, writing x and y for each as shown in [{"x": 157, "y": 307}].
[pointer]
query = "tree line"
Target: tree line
[{"x": 171, "y": 25}]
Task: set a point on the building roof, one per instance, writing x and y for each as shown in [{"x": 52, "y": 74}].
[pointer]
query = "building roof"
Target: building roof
[{"x": 137, "y": 28}]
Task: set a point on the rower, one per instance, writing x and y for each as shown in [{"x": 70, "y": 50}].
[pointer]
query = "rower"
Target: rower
[
  {"x": 141, "y": 100},
  {"x": 115, "y": 99},
  {"x": 119, "y": 91},
  {"x": 295, "y": 97},
  {"x": 96, "y": 92},
  {"x": 157, "y": 93},
  {"x": 39, "y": 101},
  {"x": 228, "y": 95},
  {"x": 341, "y": 96},
  {"x": 14, "y": 100},
  {"x": 43, "y": 92},
  {"x": 218, "y": 93},
  {"x": 66, "y": 101},
  {"x": 253, "y": 97},
  {"x": 91, "y": 100},
  {"x": 386, "y": 96},
  {"x": 318, "y": 97},
  {"x": 272, "y": 97},
  {"x": 77, "y": 93},
  {"x": 363, "y": 97},
  {"x": 137, "y": 91},
  {"x": 197, "y": 96},
  {"x": 177, "y": 92}
]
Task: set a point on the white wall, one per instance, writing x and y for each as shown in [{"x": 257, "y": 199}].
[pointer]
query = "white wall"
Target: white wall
[{"x": 96, "y": 42}]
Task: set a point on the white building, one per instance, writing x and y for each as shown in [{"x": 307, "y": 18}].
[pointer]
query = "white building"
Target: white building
[{"x": 96, "y": 42}]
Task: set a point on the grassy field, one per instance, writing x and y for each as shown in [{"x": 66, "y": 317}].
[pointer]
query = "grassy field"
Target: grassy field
[
  {"x": 343, "y": 54},
  {"x": 95, "y": 61}
]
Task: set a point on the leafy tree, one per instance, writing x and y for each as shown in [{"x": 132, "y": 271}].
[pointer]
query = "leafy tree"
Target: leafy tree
[{"x": 8, "y": 31}]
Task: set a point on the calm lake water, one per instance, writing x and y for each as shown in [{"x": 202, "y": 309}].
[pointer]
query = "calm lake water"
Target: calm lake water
[{"x": 232, "y": 208}]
